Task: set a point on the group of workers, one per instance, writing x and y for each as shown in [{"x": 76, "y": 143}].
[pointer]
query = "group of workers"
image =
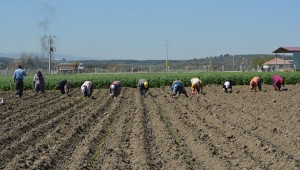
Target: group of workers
[
  {"x": 176, "y": 89},
  {"x": 255, "y": 83}
]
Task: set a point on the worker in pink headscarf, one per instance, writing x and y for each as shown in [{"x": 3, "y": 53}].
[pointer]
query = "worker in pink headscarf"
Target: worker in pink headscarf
[{"x": 277, "y": 81}]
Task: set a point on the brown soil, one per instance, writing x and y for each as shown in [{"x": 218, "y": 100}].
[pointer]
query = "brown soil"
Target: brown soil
[{"x": 244, "y": 130}]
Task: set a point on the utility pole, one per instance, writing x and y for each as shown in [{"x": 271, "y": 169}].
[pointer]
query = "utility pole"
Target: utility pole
[
  {"x": 167, "y": 47},
  {"x": 233, "y": 63},
  {"x": 50, "y": 50}
]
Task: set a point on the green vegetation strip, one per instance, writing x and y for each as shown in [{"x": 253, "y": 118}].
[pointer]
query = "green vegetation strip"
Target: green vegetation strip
[{"x": 155, "y": 79}]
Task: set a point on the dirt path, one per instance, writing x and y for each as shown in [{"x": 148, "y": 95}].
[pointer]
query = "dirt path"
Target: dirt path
[{"x": 241, "y": 130}]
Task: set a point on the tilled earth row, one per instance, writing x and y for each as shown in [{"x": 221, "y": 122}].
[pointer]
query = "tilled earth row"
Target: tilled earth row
[{"x": 241, "y": 130}]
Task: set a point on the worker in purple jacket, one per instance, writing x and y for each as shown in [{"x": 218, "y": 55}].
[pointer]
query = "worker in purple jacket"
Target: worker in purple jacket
[
  {"x": 277, "y": 81},
  {"x": 39, "y": 83},
  {"x": 115, "y": 89}
]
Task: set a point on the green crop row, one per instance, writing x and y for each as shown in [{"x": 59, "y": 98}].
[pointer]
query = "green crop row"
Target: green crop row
[{"x": 155, "y": 79}]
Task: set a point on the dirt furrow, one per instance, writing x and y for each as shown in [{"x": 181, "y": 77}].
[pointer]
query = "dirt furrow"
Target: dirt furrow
[
  {"x": 139, "y": 144},
  {"x": 167, "y": 149},
  {"x": 28, "y": 117},
  {"x": 30, "y": 138},
  {"x": 230, "y": 143},
  {"x": 72, "y": 135},
  {"x": 30, "y": 104},
  {"x": 243, "y": 130},
  {"x": 120, "y": 154},
  {"x": 264, "y": 150},
  {"x": 101, "y": 136},
  {"x": 267, "y": 127}
]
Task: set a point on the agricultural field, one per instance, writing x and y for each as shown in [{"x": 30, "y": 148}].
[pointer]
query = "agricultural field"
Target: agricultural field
[
  {"x": 155, "y": 79},
  {"x": 241, "y": 130}
]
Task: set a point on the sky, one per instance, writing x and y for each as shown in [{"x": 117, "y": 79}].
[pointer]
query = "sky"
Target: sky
[{"x": 149, "y": 29}]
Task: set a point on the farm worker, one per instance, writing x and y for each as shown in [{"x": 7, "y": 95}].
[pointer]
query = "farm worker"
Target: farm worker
[
  {"x": 18, "y": 80},
  {"x": 254, "y": 83},
  {"x": 143, "y": 85},
  {"x": 178, "y": 87},
  {"x": 87, "y": 88},
  {"x": 115, "y": 88},
  {"x": 196, "y": 85},
  {"x": 227, "y": 86},
  {"x": 63, "y": 86},
  {"x": 277, "y": 81},
  {"x": 39, "y": 82}
]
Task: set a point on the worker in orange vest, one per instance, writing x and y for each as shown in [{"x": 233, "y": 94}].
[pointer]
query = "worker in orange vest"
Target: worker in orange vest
[{"x": 254, "y": 83}]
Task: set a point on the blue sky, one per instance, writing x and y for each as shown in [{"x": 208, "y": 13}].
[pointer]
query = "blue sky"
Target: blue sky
[{"x": 139, "y": 29}]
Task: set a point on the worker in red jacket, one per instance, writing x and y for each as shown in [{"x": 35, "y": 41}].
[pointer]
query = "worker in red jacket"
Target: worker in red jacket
[
  {"x": 254, "y": 83},
  {"x": 277, "y": 81}
]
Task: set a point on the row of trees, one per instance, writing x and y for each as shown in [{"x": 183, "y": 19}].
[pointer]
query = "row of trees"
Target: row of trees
[{"x": 225, "y": 62}]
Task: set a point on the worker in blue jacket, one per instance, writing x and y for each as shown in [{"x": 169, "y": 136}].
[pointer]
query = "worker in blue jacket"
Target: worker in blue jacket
[
  {"x": 178, "y": 87},
  {"x": 18, "y": 80}
]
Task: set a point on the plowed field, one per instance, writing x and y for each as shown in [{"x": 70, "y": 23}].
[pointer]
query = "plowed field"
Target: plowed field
[{"x": 214, "y": 131}]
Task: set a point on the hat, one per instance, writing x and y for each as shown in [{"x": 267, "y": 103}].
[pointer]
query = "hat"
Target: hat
[
  {"x": 227, "y": 84},
  {"x": 146, "y": 84}
]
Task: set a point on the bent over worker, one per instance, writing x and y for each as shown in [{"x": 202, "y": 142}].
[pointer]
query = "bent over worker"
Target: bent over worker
[
  {"x": 178, "y": 87},
  {"x": 115, "y": 88},
  {"x": 277, "y": 81},
  {"x": 196, "y": 85},
  {"x": 87, "y": 88},
  {"x": 143, "y": 86},
  {"x": 254, "y": 83},
  {"x": 227, "y": 86},
  {"x": 63, "y": 86}
]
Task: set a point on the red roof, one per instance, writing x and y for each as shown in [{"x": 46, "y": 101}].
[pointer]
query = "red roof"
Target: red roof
[
  {"x": 287, "y": 50},
  {"x": 276, "y": 60}
]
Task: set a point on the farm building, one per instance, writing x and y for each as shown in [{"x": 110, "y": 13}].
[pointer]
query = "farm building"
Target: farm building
[
  {"x": 278, "y": 64},
  {"x": 296, "y": 55}
]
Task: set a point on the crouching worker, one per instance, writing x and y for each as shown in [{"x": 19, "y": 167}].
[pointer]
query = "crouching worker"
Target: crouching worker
[
  {"x": 64, "y": 86},
  {"x": 143, "y": 85},
  {"x": 254, "y": 83},
  {"x": 178, "y": 87},
  {"x": 277, "y": 81},
  {"x": 197, "y": 86},
  {"x": 115, "y": 89},
  {"x": 87, "y": 88},
  {"x": 227, "y": 87},
  {"x": 39, "y": 83}
]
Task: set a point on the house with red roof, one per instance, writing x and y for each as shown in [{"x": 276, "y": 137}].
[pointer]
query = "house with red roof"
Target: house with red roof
[{"x": 296, "y": 55}]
